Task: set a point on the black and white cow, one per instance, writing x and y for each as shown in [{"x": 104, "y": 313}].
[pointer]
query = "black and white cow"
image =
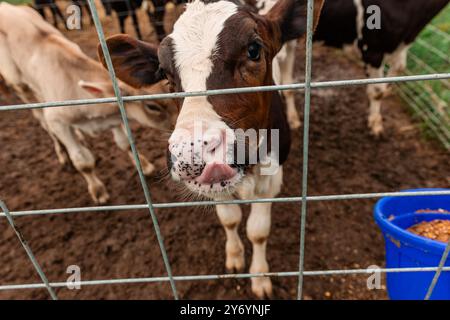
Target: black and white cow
[
  {"x": 344, "y": 22},
  {"x": 216, "y": 45}
]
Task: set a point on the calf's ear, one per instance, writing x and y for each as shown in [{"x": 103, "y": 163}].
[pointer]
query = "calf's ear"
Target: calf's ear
[
  {"x": 291, "y": 16},
  {"x": 97, "y": 89},
  {"x": 135, "y": 62}
]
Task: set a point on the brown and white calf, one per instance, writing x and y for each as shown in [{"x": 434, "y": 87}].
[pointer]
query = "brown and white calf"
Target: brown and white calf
[
  {"x": 36, "y": 58},
  {"x": 216, "y": 45}
]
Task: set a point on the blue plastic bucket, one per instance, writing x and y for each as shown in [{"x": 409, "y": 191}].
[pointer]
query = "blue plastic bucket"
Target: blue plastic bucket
[{"x": 404, "y": 249}]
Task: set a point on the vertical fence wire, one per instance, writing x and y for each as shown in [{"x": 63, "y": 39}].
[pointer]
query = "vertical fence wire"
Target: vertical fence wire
[
  {"x": 120, "y": 102},
  {"x": 28, "y": 250},
  {"x": 438, "y": 271},
  {"x": 308, "y": 68}
]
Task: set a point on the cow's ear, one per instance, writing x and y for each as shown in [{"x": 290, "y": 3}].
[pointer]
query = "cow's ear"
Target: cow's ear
[
  {"x": 135, "y": 62},
  {"x": 97, "y": 89},
  {"x": 291, "y": 15}
]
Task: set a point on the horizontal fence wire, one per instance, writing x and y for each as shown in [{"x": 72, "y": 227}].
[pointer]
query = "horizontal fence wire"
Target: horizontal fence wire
[
  {"x": 150, "y": 206},
  {"x": 179, "y": 95},
  {"x": 339, "y": 197},
  {"x": 316, "y": 273}
]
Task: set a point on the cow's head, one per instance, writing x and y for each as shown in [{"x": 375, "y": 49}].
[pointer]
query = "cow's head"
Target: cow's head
[{"x": 214, "y": 45}]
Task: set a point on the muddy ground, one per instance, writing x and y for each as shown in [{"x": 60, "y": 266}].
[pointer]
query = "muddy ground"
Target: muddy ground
[{"x": 344, "y": 158}]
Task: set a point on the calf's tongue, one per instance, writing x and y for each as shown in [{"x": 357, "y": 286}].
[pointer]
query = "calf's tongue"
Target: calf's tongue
[{"x": 215, "y": 172}]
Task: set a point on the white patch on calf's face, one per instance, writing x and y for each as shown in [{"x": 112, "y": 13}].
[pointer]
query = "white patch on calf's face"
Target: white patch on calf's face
[
  {"x": 195, "y": 41},
  {"x": 195, "y": 37},
  {"x": 192, "y": 108}
]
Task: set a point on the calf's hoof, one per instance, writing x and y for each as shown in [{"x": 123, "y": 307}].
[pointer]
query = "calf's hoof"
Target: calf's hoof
[
  {"x": 376, "y": 125},
  {"x": 262, "y": 287},
  {"x": 294, "y": 123},
  {"x": 147, "y": 167},
  {"x": 63, "y": 159},
  {"x": 99, "y": 194},
  {"x": 235, "y": 263}
]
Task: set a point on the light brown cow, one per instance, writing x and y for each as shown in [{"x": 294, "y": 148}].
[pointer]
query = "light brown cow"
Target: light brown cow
[{"x": 37, "y": 58}]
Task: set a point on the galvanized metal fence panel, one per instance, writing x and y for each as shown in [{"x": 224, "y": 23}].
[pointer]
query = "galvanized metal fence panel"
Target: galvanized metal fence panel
[{"x": 307, "y": 86}]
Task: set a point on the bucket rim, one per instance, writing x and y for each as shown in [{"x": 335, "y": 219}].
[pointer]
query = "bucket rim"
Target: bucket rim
[{"x": 405, "y": 237}]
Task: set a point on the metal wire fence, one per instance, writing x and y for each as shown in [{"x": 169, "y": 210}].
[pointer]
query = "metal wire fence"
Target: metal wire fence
[
  {"x": 150, "y": 206},
  {"x": 429, "y": 101}
]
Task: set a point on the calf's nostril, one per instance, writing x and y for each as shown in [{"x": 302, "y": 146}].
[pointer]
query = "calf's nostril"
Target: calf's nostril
[{"x": 212, "y": 144}]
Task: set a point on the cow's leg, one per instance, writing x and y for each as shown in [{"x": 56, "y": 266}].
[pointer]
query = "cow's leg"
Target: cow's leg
[
  {"x": 59, "y": 149},
  {"x": 81, "y": 16},
  {"x": 39, "y": 8},
  {"x": 151, "y": 19},
  {"x": 287, "y": 73},
  {"x": 376, "y": 92},
  {"x": 120, "y": 137},
  {"x": 230, "y": 216},
  {"x": 55, "y": 20},
  {"x": 57, "y": 14},
  {"x": 136, "y": 24},
  {"x": 258, "y": 228},
  {"x": 9, "y": 71},
  {"x": 122, "y": 16},
  {"x": 108, "y": 8},
  {"x": 168, "y": 19},
  {"x": 100, "y": 12},
  {"x": 398, "y": 61},
  {"x": 82, "y": 159},
  {"x": 397, "y": 65}
]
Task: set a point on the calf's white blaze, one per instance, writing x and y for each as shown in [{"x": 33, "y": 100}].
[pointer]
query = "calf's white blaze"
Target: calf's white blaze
[
  {"x": 194, "y": 37},
  {"x": 195, "y": 41}
]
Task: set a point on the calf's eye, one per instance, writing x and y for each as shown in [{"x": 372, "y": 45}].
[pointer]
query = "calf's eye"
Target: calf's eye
[
  {"x": 154, "y": 108},
  {"x": 254, "y": 51}
]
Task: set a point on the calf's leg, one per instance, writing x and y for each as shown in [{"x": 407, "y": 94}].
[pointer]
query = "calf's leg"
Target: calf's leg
[
  {"x": 397, "y": 65},
  {"x": 82, "y": 159},
  {"x": 376, "y": 92},
  {"x": 136, "y": 24},
  {"x": 57, "y": 14},
  {"x": 122, "y": 16},
  {"x": 39, "y": 8},
  {"x": 120, "y": 137},
  {"x": 230, "y": 216},
  {"x": 397, "y": 61},
  {"x": 287, "y": 73},
  {"x": 258, "y": 229},
  {"x": 59, "y": 149}
]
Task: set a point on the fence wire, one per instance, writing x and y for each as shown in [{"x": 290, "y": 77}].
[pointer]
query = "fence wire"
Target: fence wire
[
  {"x": 429, "y": 101},
  {"x": 137, "y": 160},
  {"x": 150, "y": 206},
  {"x": 308, "y": 68}
]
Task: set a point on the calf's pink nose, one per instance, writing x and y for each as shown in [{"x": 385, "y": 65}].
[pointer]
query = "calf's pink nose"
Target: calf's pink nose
[{"x": 216, "y": 172}]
